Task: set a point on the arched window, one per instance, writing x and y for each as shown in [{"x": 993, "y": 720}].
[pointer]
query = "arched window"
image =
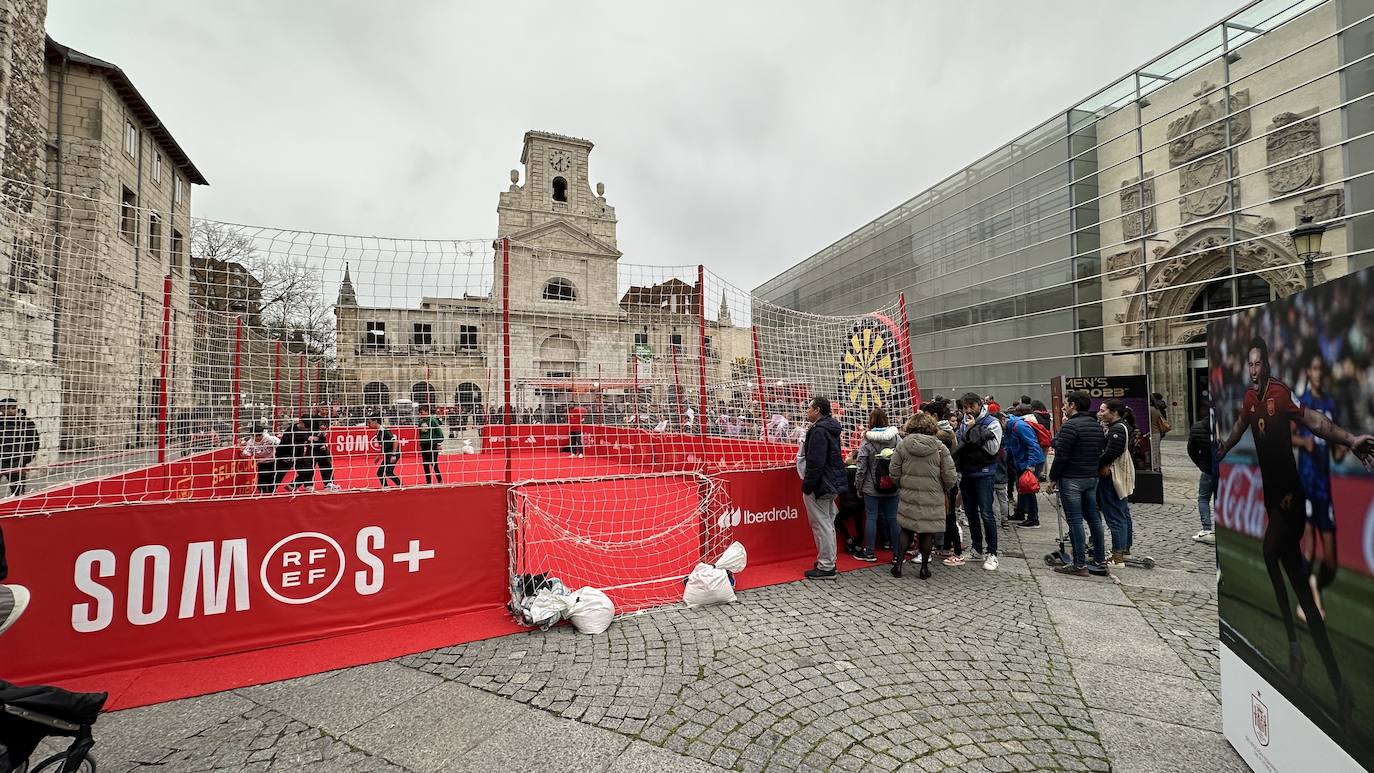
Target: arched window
[
  {"x": 559, "y": 289},
  {"x": 1216, "y": 296},
  {"x": 560, "y": 189},
  {"x": 468, "y": 394},
  {"x": 376, "y": 394},
  {"x": 422, "y": 393}
]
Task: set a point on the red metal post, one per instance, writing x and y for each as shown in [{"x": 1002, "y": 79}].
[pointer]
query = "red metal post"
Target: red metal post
[
  {"x": 163, "y": 385},
  {"x": 600, "y": 417},
  {"x": 634, "y": 373},
  {"x": 505, "y": 347},
  {"x": 758, "y": 381},
  {"x": 276, "y": 386},
  {"x": 238, "y": 372},
  {"x": 701, "y": 348},
  {"x": 913, "y": 392}
]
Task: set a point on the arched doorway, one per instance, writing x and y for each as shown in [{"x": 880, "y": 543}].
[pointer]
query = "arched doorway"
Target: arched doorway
[
  {"x": 468, "y": 395},
  {"x": 376, "y": 395},
  {"x": 423, "y": 393},
  {"x": 1214, "y": 301}
]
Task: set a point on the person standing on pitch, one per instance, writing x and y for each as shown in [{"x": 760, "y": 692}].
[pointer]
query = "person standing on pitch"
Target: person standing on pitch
[
  {"x": 1314, "y": 466},
  {"x": 390, "y": 453},
  {"x": 431, "y": 437},
  {"x": 823, "y": 478},
  {"x": 575, "y": 416},
  {"x": 1077, "y": 450},
  {"x": 262, "y": 448},
  {"x": 18, "y": 444},
  {"x": 1270, "y": 413},
  {"x": 320, "y": 455}
]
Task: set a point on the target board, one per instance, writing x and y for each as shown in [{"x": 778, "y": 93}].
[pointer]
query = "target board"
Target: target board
[{"x": 875, "y": 368}]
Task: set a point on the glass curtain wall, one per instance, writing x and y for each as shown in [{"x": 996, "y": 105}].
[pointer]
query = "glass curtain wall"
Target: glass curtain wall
[{"x": 1105, "y": 239}]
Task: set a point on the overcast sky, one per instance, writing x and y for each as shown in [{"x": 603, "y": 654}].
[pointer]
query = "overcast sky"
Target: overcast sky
[{"x": 742, "y": 135}]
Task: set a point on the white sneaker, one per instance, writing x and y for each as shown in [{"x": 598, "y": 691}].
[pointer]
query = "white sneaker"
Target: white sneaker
[
  {"x": 990, "y": 563},
  {"x": 332, "y": 487}
]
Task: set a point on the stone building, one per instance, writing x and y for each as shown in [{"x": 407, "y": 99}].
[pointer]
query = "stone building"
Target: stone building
[{"x": 572, "y": 329}]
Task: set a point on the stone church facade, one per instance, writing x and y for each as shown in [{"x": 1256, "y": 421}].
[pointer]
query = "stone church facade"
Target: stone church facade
[
  {"x": 572, "y": 327},
  {"x": 97, "y": 202}
]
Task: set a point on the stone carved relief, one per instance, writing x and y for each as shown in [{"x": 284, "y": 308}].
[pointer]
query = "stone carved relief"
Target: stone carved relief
[
  {"x": 1199, "y": 132},
  {"x": 1205, "y": 189},
  {"x": 1138, "y": 206},
  {"x": 1122, "y": 261},
  {"x": 1322, "y": 205},
  {"x": 1289, "y": 136}
]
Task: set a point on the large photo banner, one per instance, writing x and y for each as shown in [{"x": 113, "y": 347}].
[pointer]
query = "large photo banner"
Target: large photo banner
[{"x": 1292, "y": 384}]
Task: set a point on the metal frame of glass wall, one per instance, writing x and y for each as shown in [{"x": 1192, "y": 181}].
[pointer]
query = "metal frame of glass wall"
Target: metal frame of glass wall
[{"x": 1053, "y": 255}]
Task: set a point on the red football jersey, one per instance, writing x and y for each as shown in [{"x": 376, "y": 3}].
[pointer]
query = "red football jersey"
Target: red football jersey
[
  {"x": 575, "y": 416},
  {"x": 1271, "y": 418}
]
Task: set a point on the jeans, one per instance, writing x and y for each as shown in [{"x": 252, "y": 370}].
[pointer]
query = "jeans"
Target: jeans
[
  {"x": 881, "y": 513},
  {"x": 982, "y": 521},
  {"x": 1206, "y": 492},
  {"x": 820, "y": 511},
  {"x": 1117, "y": 512},
  {"x": 1079, "y": 498}
]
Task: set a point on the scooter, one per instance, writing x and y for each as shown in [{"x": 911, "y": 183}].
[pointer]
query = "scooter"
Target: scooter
[{"x": 1062, "y": 556}]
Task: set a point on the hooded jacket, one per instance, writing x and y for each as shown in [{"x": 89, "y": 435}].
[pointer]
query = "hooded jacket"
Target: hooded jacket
[
  {"x": 875, "y": 440},
  {"x": 824, "y": 463},
  {"x": 1201, "y": 449},
  {"x": 924, "y": 470},
  {"x": 985, "y": 431},
  {"x": 1023, "y": 447}
]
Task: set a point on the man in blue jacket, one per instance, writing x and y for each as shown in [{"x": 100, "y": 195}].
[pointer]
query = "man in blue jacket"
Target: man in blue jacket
[
  {"x": 823, "y": 478},
  {"x": 976, "y": 446},
  {"x": 1024, "y": 453}
]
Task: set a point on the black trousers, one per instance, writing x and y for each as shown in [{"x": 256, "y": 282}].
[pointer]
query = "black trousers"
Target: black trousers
[
  {"x": 575, "y": 441},
  {"x": 386, "y": 471},
  {"x": 429, "y": 460},
  {"x": 269, "y": 475},
  {"x": 952, "y": 541},
  {"x": 325, "y": 461}
]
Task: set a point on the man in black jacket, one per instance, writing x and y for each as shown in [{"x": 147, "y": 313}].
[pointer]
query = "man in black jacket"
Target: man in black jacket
[
  {"x": 1077, "y": 449},
  {"x": 823, "y": 478},
  {"x": 1202, "y": 451},
  {"x": 1116, "y": 509},
  {"x": 18, "y": 444}
]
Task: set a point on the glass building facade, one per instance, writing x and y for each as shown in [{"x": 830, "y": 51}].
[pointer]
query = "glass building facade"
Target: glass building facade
[{"x": 1102, "y": 241}]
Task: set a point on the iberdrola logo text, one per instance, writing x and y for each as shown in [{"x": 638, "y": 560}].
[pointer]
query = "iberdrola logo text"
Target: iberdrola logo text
[{"x": 738, "y": 516}]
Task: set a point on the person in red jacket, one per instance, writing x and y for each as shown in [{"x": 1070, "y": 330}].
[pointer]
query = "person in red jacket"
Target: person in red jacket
[{"x": 575, "y": 416}]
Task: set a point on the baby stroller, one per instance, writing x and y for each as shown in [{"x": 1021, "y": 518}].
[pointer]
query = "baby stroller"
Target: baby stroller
[{"x": 30, "y": 714}]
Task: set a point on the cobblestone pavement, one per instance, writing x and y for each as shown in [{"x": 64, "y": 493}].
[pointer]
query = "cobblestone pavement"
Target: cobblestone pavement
[{"x": 1014, "y": 670}]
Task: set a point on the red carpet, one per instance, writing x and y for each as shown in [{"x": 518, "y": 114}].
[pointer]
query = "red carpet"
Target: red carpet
[{"x": 157, "y": 684}]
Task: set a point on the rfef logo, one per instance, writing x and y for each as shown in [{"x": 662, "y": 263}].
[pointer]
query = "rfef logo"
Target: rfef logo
[
  {"x": 739, "y": 516},
  {"x": 1259, "y": 719}
]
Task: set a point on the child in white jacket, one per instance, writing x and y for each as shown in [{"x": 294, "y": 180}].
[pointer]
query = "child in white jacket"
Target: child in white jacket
[{"x": 262, "y": 446}]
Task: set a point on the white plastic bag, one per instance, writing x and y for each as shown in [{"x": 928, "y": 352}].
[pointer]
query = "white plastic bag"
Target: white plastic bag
[
  {"x": 547, "y": 608},
  {"x": 592, "y": 611},
  {"x": 708, "y": 585},
  {"x": 733, "y": 559},
  {"x": 467, "y": 447}
]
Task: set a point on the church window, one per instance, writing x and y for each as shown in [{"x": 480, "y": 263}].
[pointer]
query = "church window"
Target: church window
[
  {"x": 376, "y": 336},
  {"x": 130, "y": 139},
  {"x": 560, "y": 189},
  {"x": 559, "y": 290},
  {"x": 467, "y": 338},
  {"x": 676, "y": 341},
  {"x": 178, "y": 250},
  {"x": 128, "y": 214},
  {"x": 154, "y": 235},
  {"x": 423, "y": 334}
]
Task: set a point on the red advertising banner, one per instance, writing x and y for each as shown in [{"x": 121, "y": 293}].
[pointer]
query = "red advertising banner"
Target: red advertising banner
[
  {"x": 767, "y": 515},
  {"x": 362, "y": 441},
  {"x": 172, "y": 581}
]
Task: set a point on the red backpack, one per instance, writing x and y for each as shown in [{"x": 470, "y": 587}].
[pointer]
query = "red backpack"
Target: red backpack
[{"x": 1042, "y": 434}]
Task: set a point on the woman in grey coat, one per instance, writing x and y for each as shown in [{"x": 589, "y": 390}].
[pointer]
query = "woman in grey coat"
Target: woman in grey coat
[{"x": 924, "y": 469}]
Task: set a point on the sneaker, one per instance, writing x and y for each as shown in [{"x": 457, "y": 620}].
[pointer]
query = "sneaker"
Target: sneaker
[
  {"x": 819, "y": 574},
  {"x": 867, "y": 556},
  {"x": 1076, "y": 571},
  {"x": 14, "y": 599},
  {"x": 990, "y": 563},
  {"x": 1098, "y": 569},
  {"x": 1116, "y": 560},
  {"x": 954, "y": 561},
  {"x": 975, "y": 555},
  {"x": 332, "y": 487},
  {"x": 1028, "y": 525},
  {"x": 1206, "y": 535},
  {"x": 1018, "y": 516}
]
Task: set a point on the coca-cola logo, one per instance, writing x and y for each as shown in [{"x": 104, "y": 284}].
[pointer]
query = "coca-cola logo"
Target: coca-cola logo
[{"x": 1240, "y": 502}]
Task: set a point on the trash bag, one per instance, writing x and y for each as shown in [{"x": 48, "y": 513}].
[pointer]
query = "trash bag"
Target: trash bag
[
  {"x": 592, "y": 611},
  {"x": 708, "y": 585},
  {"x": 547, "y": 608},
  {"x": 733, "y": 559},
  {"x": 467, "y": 447}
]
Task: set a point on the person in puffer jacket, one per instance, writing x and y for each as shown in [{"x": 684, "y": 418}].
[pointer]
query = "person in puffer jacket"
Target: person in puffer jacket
[
  {"x": 1024, "y": 453},
  {"x": 924, "y": 470},
  {"x": 878, "y": 491}
]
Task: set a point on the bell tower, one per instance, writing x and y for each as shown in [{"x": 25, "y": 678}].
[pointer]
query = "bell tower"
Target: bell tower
[{"x": 557, "y": 187}]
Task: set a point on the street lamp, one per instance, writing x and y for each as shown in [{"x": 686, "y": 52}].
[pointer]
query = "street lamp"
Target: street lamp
[{"x": 1307, "y": 240}]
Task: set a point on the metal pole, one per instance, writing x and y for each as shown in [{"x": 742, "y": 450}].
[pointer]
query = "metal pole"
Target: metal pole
[
  {"x": 276, "y": 386},
  {"x": 505, "y": 346},
  {"x": 1308, "y": 265},
  {"x": 701, "y": 348},
  {"x": 758, "y": 381},
  {"x": 238, "y": 362},
  {"x": 163, "y": 385}
]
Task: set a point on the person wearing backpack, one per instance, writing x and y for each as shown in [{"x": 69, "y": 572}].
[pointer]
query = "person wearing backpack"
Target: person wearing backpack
[
  {"x": 873, "y": 480},
  {"x": 1025, "y": 455},
  {"x": 977, "y": 443}
]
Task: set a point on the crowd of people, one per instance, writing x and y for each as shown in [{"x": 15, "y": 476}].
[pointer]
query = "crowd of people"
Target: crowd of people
[{"x": 902, "y": 486}]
